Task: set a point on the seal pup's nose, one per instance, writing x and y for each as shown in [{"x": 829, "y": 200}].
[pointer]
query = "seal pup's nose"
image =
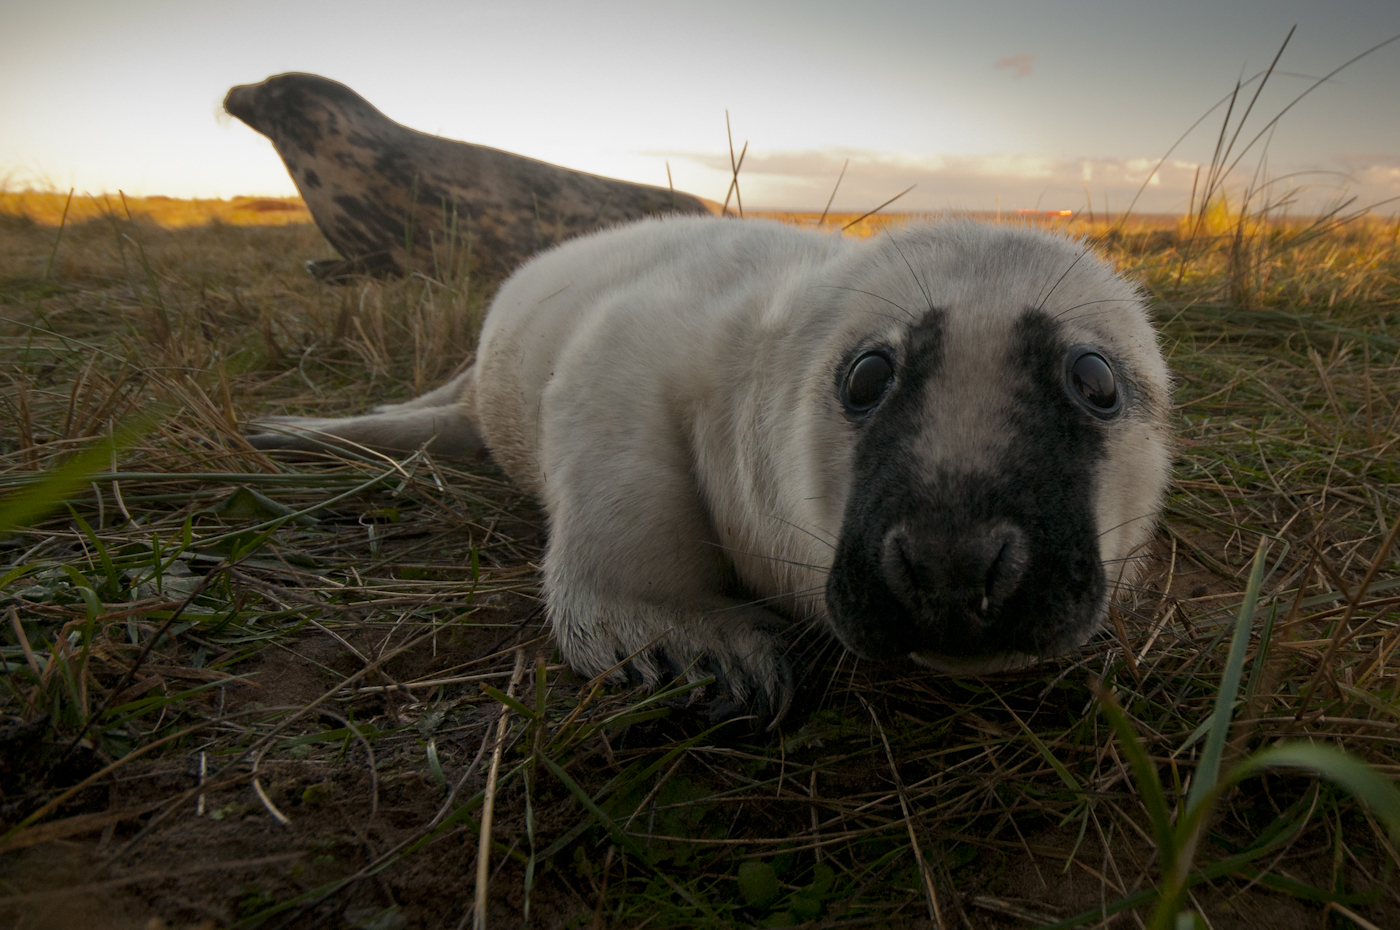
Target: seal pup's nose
[{"x": 941, "y": 574}]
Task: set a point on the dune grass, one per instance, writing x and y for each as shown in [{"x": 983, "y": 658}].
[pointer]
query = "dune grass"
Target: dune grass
[
  {"x": 51, "y": 208},
  {"x": 249, "y": 692}
]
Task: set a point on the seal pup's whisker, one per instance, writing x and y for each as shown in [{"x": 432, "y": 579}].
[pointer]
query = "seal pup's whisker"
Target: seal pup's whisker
[
  {"x": 814, "y": 642},
  {"x": 731, "y": 550},
  {"x": 928, "y": 299},
  {"x": 1128, "y": 522},
  {"x": 1040, "y": 304},
  {"x": 1131, "y": 561},
  {"x": 855, "y": 290},
  {"x": 769, "y": 599},
  {"x": 1132, "y": 612},
  {"x": 802, "y": 529},
  {"x": 1089, "y": 303},
  {"x": 1130, "y": 557},
  {"x": 1143, "y": 590}
]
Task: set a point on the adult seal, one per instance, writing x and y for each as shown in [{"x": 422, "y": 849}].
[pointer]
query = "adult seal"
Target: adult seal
[
  {"x": 393, "y": 200},
  {"x": 947, "y": 443}
]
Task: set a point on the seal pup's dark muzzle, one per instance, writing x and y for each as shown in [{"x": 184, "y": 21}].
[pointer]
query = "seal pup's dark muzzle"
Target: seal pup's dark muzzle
[
  {"x": 969, "y": 536},
  {"x": 970, "y": 580}
]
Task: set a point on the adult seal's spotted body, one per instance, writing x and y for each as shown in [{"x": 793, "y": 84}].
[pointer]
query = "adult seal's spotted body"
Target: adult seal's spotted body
[
  {"x": 390, "y": 199},
  {"x": 947, "y": 443}
]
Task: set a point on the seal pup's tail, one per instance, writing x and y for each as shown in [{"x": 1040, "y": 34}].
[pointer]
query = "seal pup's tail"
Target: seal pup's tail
[{"x": 443, "y": 421}]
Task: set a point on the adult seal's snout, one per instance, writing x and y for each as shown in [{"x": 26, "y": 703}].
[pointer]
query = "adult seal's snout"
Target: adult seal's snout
[
  {"x": 941, "y": 577},
  {"x": 239, "y": 102}
]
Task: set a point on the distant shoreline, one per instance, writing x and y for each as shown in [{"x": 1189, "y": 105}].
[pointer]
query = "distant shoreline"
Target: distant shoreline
[{"x": 46, "y": 208}]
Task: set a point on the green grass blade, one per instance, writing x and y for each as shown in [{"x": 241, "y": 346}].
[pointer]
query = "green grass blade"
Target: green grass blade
[
  {"x": 33, "y": 501},
  {"x": 1261, "y": 658},
  {"x": 122, "y": 714},
  {"x": 499, "y": 695},
  {"x": 1370, "y": 700},
  {"x": 1070, "y": 781},
  {"x": 1145, "y": 773},
  {"x": 1230, "y": 865},
  {"x": 1208, "y": 771},
  {"x": 618, "y": 835},
  {"x": 114, "y": 582},
  {"x": 1340, "y": 768},
  {"x": 14, "y": 574}
]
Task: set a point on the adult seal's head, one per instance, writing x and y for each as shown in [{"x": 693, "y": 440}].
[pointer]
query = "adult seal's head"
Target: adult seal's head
[
  {"x": 298, "y": 111},
  {"x": 392, "y": 200},
  {"x": 1008, "y": 449}
]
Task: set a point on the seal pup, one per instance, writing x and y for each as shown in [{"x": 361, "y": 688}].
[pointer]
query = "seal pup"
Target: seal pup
[
  {"x": 392, "y": 200},
  {"x": 945, "y": 443}
]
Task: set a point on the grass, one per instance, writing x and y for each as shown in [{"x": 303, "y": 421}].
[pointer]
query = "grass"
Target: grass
[
  {"x": 53, "y": 209},
  {"x": 255, "y": 693}
]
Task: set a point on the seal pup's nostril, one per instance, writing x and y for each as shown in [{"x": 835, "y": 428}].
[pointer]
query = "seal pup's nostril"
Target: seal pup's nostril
[
  {"x": 1007, "y": 566},
  {"x": 933, "y": 572}
]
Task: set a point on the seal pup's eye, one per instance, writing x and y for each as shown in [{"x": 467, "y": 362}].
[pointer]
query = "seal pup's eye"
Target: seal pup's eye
[
  {"x": 1091, "y": 381},
  {"x": 866, "y": 382}
]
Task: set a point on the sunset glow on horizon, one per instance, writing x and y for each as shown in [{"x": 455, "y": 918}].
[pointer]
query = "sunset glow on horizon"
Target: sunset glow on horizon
[{"x": 1009, "y": 103}]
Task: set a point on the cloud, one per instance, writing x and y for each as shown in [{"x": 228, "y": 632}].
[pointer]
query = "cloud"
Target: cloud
[
  {"x": 1372, "y": 177},
  {"x": 803, "y": 180},
  {"x": 1019, "y": 65}
]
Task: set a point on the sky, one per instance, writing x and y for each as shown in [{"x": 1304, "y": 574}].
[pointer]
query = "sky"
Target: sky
[{"x": 1021, "y": 104}]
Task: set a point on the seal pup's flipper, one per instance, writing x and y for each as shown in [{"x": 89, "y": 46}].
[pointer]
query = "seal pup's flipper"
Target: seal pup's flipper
[
  {"x": 392, "y": 200},
  {"x": 446, "y": 431},
  {"x": 443, "y": 421}
]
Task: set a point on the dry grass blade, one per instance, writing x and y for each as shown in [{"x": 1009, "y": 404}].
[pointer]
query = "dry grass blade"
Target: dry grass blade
[
  {"x": 821, "y": 220},
  {"x": 488, "y": 807},
  {"x": 734, "y": 166},
  {"x": 23, "y": 641},
  {"x": 882, "y": 206},
  {"x": 925, "y": 871},
  {"x": 72, "y": 826},
  {"x": 1344, "y": 633},
  {"x": 998, "y": 906},
  {"x": 258, "y": 789}
]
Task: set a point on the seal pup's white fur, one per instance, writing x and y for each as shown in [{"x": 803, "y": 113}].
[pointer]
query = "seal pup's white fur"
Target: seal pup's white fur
[{"x": 679, "y": 395}]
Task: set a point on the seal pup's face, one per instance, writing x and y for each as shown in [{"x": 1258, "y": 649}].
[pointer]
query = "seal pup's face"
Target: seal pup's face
[{"x": 1002, "y": 401}]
